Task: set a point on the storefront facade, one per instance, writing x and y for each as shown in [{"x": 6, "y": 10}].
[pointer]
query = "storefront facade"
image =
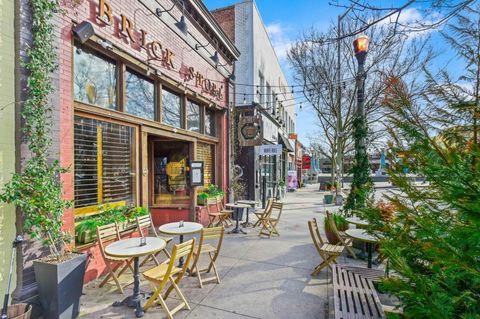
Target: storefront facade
[{"x": 140, "y": 101}]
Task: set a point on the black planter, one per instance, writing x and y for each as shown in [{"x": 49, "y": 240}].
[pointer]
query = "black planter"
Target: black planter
[{"x": 60, "y": 286}]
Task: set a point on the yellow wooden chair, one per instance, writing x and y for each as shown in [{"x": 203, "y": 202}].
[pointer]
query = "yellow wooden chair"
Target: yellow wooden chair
[
  {"x": 262, "y": 213},
  {"x": 160, "y": 275},
  {"x": 226, "y": 221},
  {"x": 270, "y": 223},
  {"x": 214, "y": 218},
  {"x": 146, "y": 222},
  {"x": 215, "y": 234},
  {"x": 327, "y": 252},
  {"x": 108, "y": 233},
  {"x": 342, "y": 237}
]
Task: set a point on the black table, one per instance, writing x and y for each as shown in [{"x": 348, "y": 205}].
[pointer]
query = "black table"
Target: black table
[{"x": 237, "y": 206}]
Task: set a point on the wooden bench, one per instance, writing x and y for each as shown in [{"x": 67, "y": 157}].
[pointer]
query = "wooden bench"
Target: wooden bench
[{"x": 354, "y": 296}]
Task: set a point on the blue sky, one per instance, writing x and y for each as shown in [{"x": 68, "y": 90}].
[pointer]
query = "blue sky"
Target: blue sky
[{"x": 286, "y": 20}]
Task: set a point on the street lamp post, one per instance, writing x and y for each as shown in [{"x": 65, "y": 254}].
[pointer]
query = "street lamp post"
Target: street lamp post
[
  {"x": 361, "y": 178},
  {"x": 360, "y": 46}
]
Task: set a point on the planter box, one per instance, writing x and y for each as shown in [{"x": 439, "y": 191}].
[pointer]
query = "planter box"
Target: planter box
[
  {"x": 60, "y": 286},
  {"x": 201, "y": 201},
  {"x": 328, "y": 199}
]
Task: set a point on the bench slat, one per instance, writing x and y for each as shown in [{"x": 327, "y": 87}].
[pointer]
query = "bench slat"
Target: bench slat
[{"x": 355, "y": 297}]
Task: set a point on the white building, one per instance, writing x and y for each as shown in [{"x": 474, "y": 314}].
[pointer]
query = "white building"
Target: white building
[{"x": 262, "y": 86}]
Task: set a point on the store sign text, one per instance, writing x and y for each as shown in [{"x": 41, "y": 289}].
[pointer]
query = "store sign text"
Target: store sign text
[
  {"x": 207, "y": 86},
  {"x": 127, "y": 27}
]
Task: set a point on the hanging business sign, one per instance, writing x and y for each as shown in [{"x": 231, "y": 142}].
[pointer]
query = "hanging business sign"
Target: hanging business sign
[
  {"x": 270, "y": 130},
  {"x": 292, "y": 136},
  {"x": 306, "y": 162},
  {"x": 275, "y": 149},
  {"x": 249, "y": 130}
]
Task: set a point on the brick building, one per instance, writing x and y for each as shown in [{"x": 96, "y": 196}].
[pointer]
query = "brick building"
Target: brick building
[{"x": 142, "y": 97}]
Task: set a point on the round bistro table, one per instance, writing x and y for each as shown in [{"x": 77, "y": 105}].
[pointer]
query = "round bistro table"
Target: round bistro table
[
  {"x": 131, "y": 248},
  {"x": 175, "y": 229},
  {"x": 237, "y": 206},
  {"x": 357, "y": 221},
  {"x": 362, "y": 235},
  {"x": 252, "y": 204}
]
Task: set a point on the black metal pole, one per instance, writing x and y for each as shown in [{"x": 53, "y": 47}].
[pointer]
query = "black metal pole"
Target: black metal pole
[
  {"x": 264, "y": 191},
  {"x": 17, "y": 241}
]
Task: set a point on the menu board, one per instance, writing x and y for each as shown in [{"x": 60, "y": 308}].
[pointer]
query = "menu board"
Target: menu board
[{"x": 196, "y": 173}]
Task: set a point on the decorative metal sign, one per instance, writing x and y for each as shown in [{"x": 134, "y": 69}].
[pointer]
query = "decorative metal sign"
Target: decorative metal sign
[{"x": 250, "y": 130}]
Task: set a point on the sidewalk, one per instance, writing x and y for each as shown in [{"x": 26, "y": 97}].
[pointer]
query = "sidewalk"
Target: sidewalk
[{"x": 260, "y": 278}]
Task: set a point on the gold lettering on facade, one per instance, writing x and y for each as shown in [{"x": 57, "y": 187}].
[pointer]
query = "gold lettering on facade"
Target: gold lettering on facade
[
  {"x": 127, "y": 26},
  {"x": 105, "y": 12},
  {"x": 168, "y": 57}
]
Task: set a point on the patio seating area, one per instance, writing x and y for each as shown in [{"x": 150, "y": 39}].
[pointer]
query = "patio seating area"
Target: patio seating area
[{"x": 258, "y": 276}]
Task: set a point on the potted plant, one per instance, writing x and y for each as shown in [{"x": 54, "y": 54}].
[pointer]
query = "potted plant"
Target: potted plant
[
  {"x": 341, "y": 224},
  {"x": 282, "y": 188},
  {"x": 328, "y": 198},
  {"x": 37, "y": 189},
  {"x": 202, "y": 199}
]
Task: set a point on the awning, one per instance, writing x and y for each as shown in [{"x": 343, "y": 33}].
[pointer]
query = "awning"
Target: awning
[{"x": 286, "y": 143}]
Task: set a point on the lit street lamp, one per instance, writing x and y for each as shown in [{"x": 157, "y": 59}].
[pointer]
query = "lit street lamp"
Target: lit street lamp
[{"x": 361, "y": 178}]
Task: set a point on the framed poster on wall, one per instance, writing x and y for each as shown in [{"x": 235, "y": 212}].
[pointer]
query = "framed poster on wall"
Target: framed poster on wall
[{"x": 197, "y": 173}]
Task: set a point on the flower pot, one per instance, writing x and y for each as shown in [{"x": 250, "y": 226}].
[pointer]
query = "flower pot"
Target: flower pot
[
  {"x": 60, "y": 286},
  {"x": 85, "y": 237},
  {"x": 331, "y": 237},
  {"x": 19, "y": 311},
  {"x": 328, "y": 199}
]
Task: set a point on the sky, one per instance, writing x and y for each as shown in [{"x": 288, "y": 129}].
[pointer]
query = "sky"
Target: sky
[{"x": 285, "y": 21}]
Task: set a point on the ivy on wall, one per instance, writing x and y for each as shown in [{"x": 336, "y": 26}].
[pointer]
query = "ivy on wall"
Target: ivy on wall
[{"x": 37, "y": 189}]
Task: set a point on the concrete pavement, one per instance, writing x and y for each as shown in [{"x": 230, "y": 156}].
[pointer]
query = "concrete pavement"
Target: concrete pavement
[{"x": 260, "y": 278}]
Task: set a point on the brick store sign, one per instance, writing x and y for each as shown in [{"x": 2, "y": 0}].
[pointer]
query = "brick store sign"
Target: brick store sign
[
  {"x": 127, "y": 27},
  {"x": 207, "y": 85}
]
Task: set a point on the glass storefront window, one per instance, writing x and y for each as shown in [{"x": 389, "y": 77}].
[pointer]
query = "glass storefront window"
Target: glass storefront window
[
  {"x": 95, "y": 79},
  {"x": 210, "y": 123},
  {"x": 139, "y": 96},
  {"x": 170, "y": 162},
  {"x": 171, "y": 109},
  {"x": 193, "y": 117},
  {"x": 104, "y": 155}
]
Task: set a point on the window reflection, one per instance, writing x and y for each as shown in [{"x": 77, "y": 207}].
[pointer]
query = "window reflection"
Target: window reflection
[
  {"x": 139, "y": 95},
  {"x": 193, "y": 117},
  {"x": 210, "y": 125},
  {"x": 95, "y": 79},
  {"x": 171, "y": 109}
]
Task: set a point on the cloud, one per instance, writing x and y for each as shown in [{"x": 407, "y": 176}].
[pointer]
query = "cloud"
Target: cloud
[
  {"x": 413, "y": 21},
  {"x": 280, "y": 40}
]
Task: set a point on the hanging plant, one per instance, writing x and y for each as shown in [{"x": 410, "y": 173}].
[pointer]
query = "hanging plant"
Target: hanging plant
[{"x": 37, "y": 189}]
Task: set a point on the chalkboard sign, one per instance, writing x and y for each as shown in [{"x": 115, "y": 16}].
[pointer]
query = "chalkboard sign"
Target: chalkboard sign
[{"x": 196, "y": 173}]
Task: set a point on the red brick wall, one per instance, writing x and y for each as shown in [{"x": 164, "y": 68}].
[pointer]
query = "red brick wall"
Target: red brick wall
[{"x": 226, "y": 19}]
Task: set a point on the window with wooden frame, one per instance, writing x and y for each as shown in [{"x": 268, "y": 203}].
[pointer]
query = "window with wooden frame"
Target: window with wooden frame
[
  {"x": 194, "y": 111},
  {"x": 104, "y": 155},
  {"x": 95, "y": 78},
  {"x": 210, "y": 122},
  {"x": 139, "y": 95},
  {"x": 171, "y": 108}
]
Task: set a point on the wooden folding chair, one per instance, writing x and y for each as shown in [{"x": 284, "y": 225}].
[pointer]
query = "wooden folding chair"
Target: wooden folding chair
[
  {"x": 105, "y": 234},
  {"x": 225, "y": 219},
  {"x": 214, "y": 218},
  {"x": 342, "y": 237},
  {"x": 327, "y": 252},
  {"x": 146, "y": 222},
  {"x": 269, "y": 223},
  {"x": 262, "y": 213},
  {"x": 159, "y": 276},
  {"x": 215, "y": 234}
]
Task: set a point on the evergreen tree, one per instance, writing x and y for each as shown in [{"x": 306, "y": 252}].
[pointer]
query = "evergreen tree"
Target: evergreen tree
[{"x": 434, "y": 243}]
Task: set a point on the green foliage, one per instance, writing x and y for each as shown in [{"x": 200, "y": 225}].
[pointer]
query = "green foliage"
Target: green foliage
[
  {"x": 339, "y": 220},
  {"x": 202, "y": 196},
  {"x": 434, "y": 243},
  {"x": 37, "y": 190},
  {"x": 108, "y": 215},
  {"x": 361, "y": 186},
  {"x": 214, "y": 191}
]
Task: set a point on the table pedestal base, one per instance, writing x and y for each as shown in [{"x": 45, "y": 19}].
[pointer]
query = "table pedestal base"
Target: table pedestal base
[
  {"x": 135, "y": 300},
  {"x": 237, "y": 230}
]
